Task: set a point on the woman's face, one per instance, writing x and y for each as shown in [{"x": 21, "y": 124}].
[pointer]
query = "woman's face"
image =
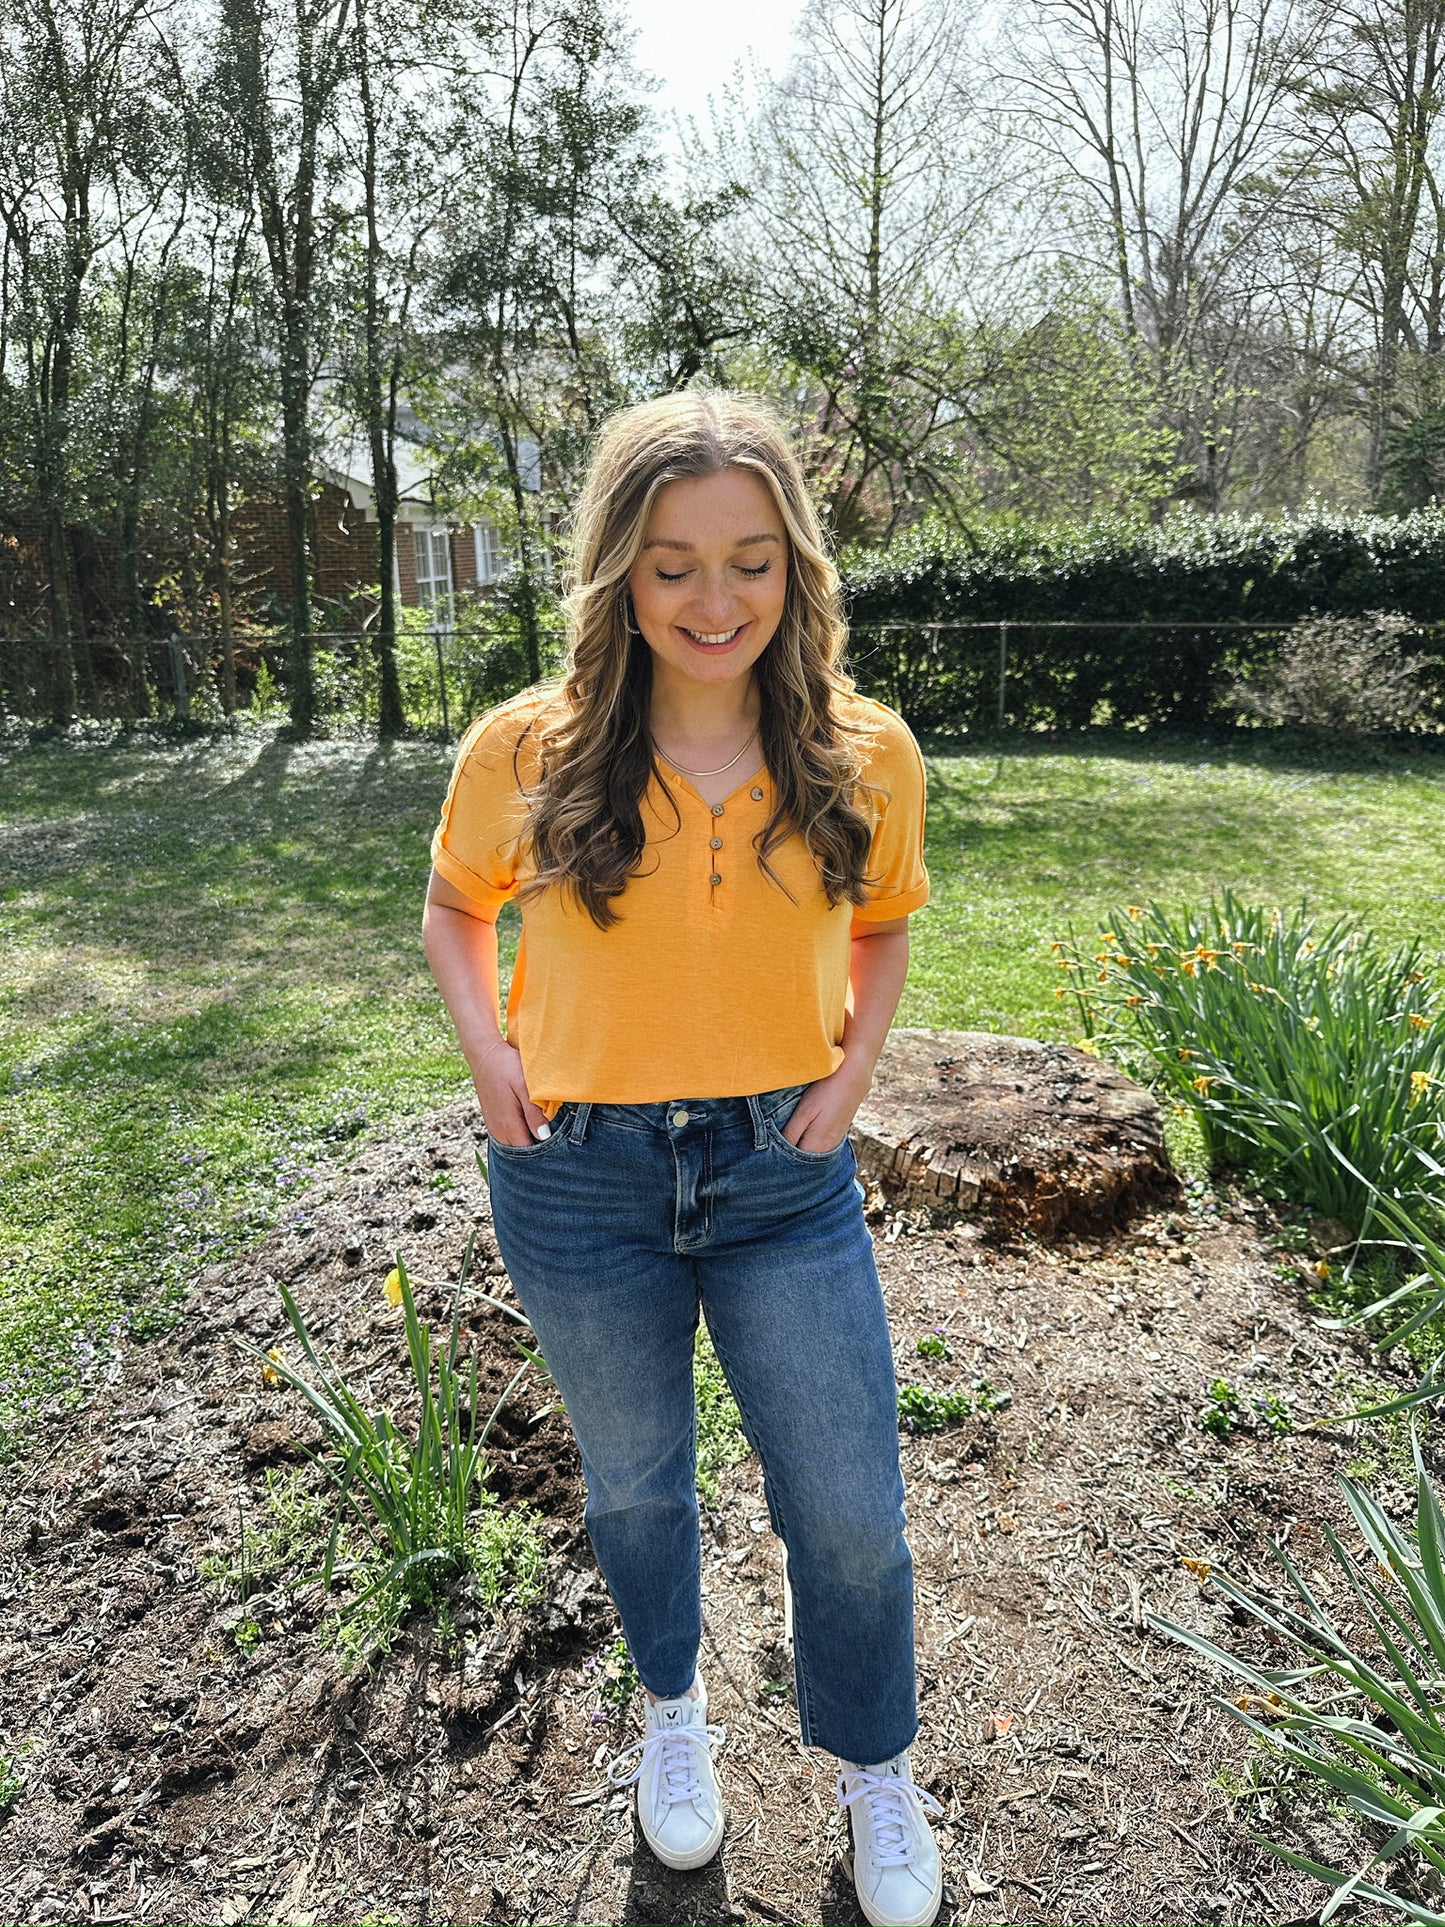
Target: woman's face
[{"x": 708, "y": 585}]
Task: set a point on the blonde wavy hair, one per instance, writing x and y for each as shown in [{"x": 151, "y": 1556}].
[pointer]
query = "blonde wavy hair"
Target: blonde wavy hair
[{"x": 596, "y": 756}]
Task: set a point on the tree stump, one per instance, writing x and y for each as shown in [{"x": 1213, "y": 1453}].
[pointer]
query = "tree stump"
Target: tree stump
[{"x": 1029, "y": 1137}]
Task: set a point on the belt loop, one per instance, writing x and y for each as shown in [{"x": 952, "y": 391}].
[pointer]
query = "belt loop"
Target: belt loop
[
  {"x": 760, "y": 1134},
  {"x": 577, "y": 1130}
]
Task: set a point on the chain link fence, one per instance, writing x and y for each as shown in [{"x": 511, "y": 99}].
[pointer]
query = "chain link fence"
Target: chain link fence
[
  {"x": 944, "y": 676},
  {"x": 448, "y": 673},
  {"x": 1017, "y": 673}
]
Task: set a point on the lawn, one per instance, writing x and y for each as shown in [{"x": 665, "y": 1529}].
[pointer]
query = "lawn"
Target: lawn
[{"x": 212, "y": 973}]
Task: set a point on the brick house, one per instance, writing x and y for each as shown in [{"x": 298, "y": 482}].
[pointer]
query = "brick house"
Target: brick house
[{"x": 437, "y": 556}]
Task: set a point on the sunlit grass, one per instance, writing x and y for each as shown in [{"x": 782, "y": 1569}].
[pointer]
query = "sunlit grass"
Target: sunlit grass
[
  {"x": 212, "y": 974},
  {"x": 212, "y": 979},
  {"x": 1021, "y": 844}
]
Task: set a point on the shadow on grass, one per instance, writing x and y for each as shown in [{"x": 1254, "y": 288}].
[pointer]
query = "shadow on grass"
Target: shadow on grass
[{"x": 306, "y": 864}]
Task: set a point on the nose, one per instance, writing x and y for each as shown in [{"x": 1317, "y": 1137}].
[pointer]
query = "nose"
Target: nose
[{"x": 715, "y": 606}]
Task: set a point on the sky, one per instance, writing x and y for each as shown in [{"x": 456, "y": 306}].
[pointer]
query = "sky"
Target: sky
[{"x": 691, "y": 46}]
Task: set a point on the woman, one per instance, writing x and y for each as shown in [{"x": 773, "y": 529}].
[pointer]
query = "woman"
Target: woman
[{"x": 715, "y": 844}]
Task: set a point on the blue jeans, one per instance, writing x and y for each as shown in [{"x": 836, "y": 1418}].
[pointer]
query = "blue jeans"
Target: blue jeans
[{"x": 614, "y": 1230}]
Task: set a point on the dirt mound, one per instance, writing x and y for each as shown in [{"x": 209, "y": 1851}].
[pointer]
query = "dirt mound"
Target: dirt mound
[{"x": 172, "y": 1777}]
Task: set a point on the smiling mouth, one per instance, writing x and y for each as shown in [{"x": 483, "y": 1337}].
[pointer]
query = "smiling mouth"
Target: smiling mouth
[{"x": 719, "y": 640}]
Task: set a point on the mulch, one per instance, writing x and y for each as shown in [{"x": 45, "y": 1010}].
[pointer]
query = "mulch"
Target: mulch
[{"x": 171, "y": 1777}]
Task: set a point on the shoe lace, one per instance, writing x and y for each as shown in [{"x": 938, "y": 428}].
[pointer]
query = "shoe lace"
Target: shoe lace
[
  {"x": 885, "y": 1800},
  {"x": 670, "y": 1758}
]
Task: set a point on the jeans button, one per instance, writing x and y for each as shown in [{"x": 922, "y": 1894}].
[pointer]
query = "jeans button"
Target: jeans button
[{"x": 679, "y": 1118}]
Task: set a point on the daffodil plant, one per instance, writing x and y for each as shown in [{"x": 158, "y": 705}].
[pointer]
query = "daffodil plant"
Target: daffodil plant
[
  {"x": 1315, "y": 1055},
  {"x": 420, "y": 1500},
  {"x": 1359, "y": 1708}
]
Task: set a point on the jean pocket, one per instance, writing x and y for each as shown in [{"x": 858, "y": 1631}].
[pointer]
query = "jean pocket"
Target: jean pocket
[
  {"x": 538, "y": 1144},
  {"x": 789, "y": 1150}
]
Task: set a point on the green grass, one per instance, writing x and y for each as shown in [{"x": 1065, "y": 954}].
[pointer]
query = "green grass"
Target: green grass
[
  {"x": 720, "y": 1440},
  {"x": 211, "y": 974},
  {"x": 1020, "y": 844},
  {"x": 212, "y": 977}
]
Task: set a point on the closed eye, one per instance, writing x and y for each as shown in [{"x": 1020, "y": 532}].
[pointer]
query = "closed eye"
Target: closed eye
[{"x": 682, "y": 574}]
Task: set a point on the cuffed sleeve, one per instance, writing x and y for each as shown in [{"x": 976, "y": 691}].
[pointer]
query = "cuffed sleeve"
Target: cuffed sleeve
[
  {"x": 474, "y": 846},
  {"x": 898, "y": 878}
]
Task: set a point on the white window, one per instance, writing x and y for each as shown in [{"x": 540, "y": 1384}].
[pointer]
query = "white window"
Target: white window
[
  {"x": 489, "y": 554},
  {"x": 434, "y": 571}
]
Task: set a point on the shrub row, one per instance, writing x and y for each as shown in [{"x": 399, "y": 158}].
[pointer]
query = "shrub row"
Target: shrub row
[{"x": 1211, "y": 574}]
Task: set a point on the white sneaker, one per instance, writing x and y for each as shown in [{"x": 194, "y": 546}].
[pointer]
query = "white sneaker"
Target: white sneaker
[
  {"x": 678, "y": 1805},
  {"x": 895, "y": 1857}
]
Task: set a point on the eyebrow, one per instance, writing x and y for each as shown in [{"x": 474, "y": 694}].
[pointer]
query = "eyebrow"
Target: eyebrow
[{"x": 686, "y": 548}]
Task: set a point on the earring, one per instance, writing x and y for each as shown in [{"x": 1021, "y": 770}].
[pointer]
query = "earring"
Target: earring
[{"x": 629, "y": 619}]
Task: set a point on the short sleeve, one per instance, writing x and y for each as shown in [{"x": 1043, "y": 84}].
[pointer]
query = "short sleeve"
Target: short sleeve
[
  {"x": 898, "y": 878},
  {"x": 474, "y": 846}
]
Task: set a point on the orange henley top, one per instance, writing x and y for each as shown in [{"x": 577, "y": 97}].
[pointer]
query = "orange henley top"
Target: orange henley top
[{"x": 713, "y": 983}]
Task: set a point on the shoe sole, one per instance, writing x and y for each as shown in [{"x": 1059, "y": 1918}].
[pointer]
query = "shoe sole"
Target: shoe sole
[{"x": 686, "y": 1862}]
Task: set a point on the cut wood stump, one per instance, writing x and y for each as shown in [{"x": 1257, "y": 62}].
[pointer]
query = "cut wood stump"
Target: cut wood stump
[{"x": 1030, "y": 1137}]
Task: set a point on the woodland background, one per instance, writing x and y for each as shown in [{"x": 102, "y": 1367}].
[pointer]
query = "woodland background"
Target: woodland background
[{"x": 1033, "y": 263}]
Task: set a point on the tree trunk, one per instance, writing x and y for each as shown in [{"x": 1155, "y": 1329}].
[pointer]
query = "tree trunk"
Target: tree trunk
[
  {"x": 57, "y": 589},
  {"x": 1034, "y": 1139},
  {"x": 223, "y": 591},
  {"x": 526, "y": 584},
  {"x": 300, "y": 654},
  {"x": 380, "y": 408},
  {"x": 392, "y": 720}
]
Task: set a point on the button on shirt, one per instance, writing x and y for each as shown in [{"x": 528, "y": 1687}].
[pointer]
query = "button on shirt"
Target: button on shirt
[{"x": 714, "y": 982}]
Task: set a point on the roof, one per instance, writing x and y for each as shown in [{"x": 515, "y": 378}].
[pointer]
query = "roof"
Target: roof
[{"x": 343, "y": 457}]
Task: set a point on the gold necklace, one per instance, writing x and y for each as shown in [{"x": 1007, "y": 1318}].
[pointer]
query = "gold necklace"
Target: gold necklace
[{"x": 684, "y": 771}]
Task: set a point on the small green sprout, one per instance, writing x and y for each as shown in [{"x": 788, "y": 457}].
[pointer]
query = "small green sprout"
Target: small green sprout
[
  {"x": 1217, "y": 1416},
  {"x": 922, "y": 1410}
]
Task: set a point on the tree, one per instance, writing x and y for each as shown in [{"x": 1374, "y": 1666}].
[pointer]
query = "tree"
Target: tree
[
  {"x": 1158, "y": 113},
  {"x": 384, "y": 352},
  {"x": 281, "y": 65},
  {"x": 404, "y": 177},
  {"x": 229, "y": 394},
  {"x": 1377, "y": 95},
  {"x": 76, "y": 87},
  {"x": 528, "y": 302},
  {"x": 865, "y": 215},
  {"x": 145, "y": 278},
  {"x": 1063, "y": 418}
]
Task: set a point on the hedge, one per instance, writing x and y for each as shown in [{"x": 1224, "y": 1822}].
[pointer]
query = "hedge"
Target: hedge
[{"x": 1213, "y": 572}]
